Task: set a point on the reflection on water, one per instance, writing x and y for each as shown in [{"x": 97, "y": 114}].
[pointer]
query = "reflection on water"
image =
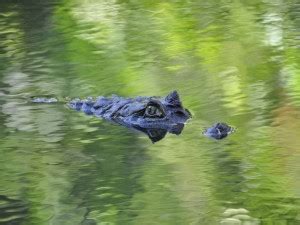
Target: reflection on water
[
  {"x": 12, "y": 211},
  {"x": 236, "y": 62}
]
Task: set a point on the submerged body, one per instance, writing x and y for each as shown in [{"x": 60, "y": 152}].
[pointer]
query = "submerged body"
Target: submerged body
[
  {"x": 154, "y": 116},
  {"x": 12, "y": 211}
]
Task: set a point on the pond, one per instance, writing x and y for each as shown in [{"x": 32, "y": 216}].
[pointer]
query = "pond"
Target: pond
[{"x": 230, "y": 61}]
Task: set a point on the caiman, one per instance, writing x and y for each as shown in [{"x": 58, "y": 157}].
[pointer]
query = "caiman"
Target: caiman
[
  {"x": 155, "y": 116},
  {"x": 219, "y": 131}
]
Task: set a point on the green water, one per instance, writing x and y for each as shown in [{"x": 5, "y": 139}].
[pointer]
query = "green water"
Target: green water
[{"x": 231, "y": 61}]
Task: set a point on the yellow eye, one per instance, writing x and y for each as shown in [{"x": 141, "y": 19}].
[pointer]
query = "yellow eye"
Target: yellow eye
[{"x": 153, "y": 111}]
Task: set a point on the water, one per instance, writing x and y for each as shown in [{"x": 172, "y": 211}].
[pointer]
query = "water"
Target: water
[{"x": 231, "y": 61}]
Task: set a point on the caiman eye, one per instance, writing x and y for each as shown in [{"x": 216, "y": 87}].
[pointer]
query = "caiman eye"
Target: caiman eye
[{"x": 153, "y": 111}]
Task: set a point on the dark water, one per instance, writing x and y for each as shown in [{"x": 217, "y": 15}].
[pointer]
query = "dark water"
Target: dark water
[{"x": 231, "y": 61}]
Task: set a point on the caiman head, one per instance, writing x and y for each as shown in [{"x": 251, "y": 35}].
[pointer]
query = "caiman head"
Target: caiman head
[{"x": 154, "y": 116}]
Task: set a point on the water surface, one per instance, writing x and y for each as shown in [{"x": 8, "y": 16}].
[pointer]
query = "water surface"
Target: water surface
[{"x": 231, "y": 61}]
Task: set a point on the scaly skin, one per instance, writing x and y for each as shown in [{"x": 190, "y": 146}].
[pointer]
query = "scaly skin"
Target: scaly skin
[{"x": 154, "y": 116}]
